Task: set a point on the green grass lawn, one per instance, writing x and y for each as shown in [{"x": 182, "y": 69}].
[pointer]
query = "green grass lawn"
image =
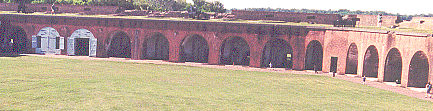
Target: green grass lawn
[{"x": 38, "y": 83}]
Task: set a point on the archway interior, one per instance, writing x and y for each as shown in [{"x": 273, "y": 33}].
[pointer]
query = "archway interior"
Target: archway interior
[
  {"x": 314, "y": 56},
  {"x": 277, "y": 53},
  {"x": 4, "y": 36},
  {"x": 12, "y": 39},
  {"x": 235, "y": 50},
  {"x": 47, "y": 41},
  {"x": 81, "y": 46},
  {"x": 119, "y": 46},
  {"x": 371, "y": 62},
  {"x": 194, "y": 49},
  {"x": 82, "y": 43},
  {"x": 393, "y": 66},
  {"x": 352, "y": 60},
  {"x": 156, "y": 48},
  {"x": 418, "y": 70}
]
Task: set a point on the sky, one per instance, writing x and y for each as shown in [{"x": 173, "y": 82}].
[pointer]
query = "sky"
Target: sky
[{"x": 391, "y": 6}]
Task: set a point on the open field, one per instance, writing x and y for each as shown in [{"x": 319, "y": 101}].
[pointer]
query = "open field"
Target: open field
[{"x": 38, "y": 83}]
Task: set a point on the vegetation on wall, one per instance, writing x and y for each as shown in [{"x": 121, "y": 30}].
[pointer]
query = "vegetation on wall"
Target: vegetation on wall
[
  {"x": 159, "y": 5},
  {"x": 341, "y": 12}
]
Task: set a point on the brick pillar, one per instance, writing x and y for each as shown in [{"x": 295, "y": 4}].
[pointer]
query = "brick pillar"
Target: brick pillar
[
  {"x": 381, "y": 68},
  {"x": 135, "y": 48},
  {"x": 255, "y": 57},
  {"x": 405, "y": 70},
  {"x": 214, "y": 49},
  {"x": 256, "y": 52},
  {"x": 298, "y": 55},
  {"x": 430, "y": 58},
  {"x": 175, "y": 40},
  {"x": 102, "y": 44}
]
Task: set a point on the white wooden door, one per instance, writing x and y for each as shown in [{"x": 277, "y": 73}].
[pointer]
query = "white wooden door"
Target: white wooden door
[
  {"x": 92, "y": 48},
  {"x": 44, "y": 44},
  {"x": 71, "y": 47},
  {"x": 48, "y": 41},
  {"x": 34, "y": 41},
  {"x": 51, "y": 45}
]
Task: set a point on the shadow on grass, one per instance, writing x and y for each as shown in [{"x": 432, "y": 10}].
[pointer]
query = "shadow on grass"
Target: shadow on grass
[{"x": 11, "y": 55}]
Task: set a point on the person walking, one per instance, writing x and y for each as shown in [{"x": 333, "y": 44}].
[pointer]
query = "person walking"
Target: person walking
[
  {"x": 363, "y": 79},
  {"x": 53, "y": 8},
  {"x": 379, "y": 20},
  {"x": 428, "y": 86},
  {"x": 270, "y": 64}
]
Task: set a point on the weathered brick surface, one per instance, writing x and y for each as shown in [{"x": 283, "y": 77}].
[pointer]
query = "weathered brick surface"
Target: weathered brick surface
[
  {"x": 371, "y": 20},
  {"x": 335, "y": 41},
  {"x": 418, "y": 23}
]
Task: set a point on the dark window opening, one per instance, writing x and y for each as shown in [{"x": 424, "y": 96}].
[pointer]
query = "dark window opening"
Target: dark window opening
[
  {"x": 333, "y": 67},
  {"x": 38, "y": 41},
  {"x": 311, "y": 17},
  {"x": 269, "y": 15},
  {"x": 81, "y": 46},
  {"x": 57, "y": 42},
  {"x": 87, "y": 9}
]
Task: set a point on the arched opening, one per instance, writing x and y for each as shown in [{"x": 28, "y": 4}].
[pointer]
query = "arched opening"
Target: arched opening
[
  {"x": 13, "y": 40},
  {"x": 235, "y": 50},
  {"x": 277, "y": 52},
  {"x": 314, "y": 56},
  {"x": 194, "y": 49},
  {"x": 371, "y": 62},
  {"x": 352, "y": 59},
  {"x": 47, "y": 41},
  {"x": 418, "y": 70},
  {"x": 119, "y": 46},
  {"x": 82, "y": 43},
  {"x": 156, "y": 48},
  {"x": 393, "y": 65}
]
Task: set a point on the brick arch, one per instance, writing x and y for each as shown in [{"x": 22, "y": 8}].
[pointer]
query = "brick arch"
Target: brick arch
[
  {"x": 235, "y": 50},
  {"x": 119, "y": 45},
  {"x": 156, "y": 47},
  {"x": 194, "y": 48},
  {"x": 418, "y": 70},
  {"x": 46, "y": 28},
  {"x": 352, "y": 59},
  {"x": 314, "y": 56},
  {"x": 82, "y": 42},
  {"x": 393, "y": 66},
  {"x": 371, "y": 62},
  {"x": 14, "y": 40},
  {"x": 275, "y": 52}
]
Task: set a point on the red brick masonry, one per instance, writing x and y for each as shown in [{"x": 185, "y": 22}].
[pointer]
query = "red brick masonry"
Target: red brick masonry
[{"x": 334, "y": 41}]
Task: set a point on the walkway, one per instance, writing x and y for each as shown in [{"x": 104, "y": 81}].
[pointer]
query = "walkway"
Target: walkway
[{"x": 412, "y": 92}]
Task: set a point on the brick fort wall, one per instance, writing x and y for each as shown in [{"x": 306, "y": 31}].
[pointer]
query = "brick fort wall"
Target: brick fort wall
[{"x": 287, "y": 16}]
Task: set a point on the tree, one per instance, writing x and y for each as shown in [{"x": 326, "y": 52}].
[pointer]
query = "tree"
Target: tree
[
  {"x": 159, "y": 5},
  {"x": 217, "y": 7},
  {"x": 204, "y": 6}
]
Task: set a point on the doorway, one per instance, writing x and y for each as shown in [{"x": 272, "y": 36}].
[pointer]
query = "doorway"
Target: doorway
[
  {"x": 81, "y": 46},
  {"x": 333, "y": 67}
]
